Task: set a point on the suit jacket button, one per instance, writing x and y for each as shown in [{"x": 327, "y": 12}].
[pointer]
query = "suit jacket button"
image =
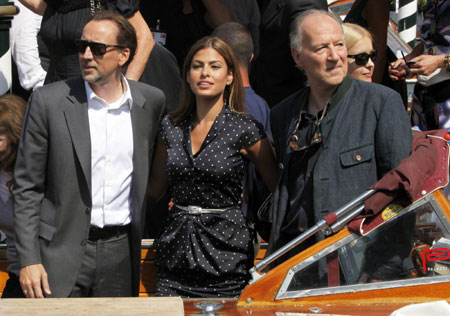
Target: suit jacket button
[
  {"x": 358, "y": 157},
  {"x": 83, "y": 242},
  {"x": 281, "y": 166},
  {"x": 88, "y": 210}
]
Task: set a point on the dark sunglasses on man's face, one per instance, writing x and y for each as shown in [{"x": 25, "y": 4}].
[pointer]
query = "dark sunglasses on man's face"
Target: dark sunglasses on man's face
[
  {"x": 98, "y": 49},
  {"x": 363, "y": 58}
]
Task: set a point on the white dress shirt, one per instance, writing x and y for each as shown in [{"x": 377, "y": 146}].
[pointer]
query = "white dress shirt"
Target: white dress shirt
[
  {"x": 24, "y": 47},
  {"x": 111, "y": 158}
]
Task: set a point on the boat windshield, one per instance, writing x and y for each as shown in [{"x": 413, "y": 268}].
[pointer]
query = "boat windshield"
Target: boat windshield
[{"x": 410, "y": 248}]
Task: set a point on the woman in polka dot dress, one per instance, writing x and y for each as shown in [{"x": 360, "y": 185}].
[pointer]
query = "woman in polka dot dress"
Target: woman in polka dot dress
[{"x": 203, "y": 149}]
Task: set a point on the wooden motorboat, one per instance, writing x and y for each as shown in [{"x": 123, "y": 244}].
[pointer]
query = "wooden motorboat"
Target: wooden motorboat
[{"x": 424, "y": 274}]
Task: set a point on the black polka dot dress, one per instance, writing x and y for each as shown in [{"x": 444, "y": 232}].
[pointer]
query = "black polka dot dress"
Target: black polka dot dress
[{"x": 206, "y": 255}]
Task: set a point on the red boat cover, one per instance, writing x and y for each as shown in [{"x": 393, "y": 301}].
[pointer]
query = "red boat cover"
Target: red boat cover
[{"x": 423, "y": 172}]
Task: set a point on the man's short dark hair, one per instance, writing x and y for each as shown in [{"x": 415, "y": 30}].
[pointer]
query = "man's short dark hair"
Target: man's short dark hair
[
  {"x": 126, "y": 36},
  {"x": 239, "y": 38}
]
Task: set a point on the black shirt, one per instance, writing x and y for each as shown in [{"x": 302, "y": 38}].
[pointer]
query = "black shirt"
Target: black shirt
[{"x": 300, "y": 212}]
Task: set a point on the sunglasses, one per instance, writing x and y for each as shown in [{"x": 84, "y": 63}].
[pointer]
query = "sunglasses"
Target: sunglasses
[
  {"x": 363, "y": 58},
  {"x": 311, "y": 140},
  {"x": 98, "y": 49},
  {"x": 313, "y": 136}
]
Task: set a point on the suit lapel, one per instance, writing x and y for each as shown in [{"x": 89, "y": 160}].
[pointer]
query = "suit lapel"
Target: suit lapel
[
  {"x": 335, "y": 103},
  {"x": 272, "y": 9},
  {"x": 77, "y": 120},
  {"x": 140, "y": 123}
]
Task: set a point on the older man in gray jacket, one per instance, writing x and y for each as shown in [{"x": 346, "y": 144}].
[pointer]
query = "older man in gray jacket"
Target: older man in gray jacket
[{"x": 334, "y": 138}]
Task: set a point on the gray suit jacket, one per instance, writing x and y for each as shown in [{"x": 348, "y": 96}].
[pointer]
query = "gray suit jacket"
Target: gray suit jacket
[
  {"x": 52, "y": 192},
  {"x": 366, "y": 133}
]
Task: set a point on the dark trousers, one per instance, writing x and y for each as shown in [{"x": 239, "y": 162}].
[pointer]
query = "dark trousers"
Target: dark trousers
[
  {"x": 106, "y": 269},
  {"x": 12, "y": 288}
]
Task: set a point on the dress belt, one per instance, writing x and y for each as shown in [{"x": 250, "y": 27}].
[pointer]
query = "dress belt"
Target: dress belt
[
  {"x": 197, "y": 210},
  {"x": 96, "y": 233}
]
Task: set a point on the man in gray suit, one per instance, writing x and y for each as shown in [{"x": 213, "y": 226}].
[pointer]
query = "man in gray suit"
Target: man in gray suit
[
  {"x": 333, "y": 139},
  {"x": 82, "y": 169}
]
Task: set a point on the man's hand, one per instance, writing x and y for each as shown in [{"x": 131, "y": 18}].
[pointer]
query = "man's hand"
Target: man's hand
[{"x": 34, "y": 282}]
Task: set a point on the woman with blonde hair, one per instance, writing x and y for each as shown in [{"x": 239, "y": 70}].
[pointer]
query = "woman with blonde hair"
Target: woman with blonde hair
[
  {"x": 12, "y": 110},
  {"x": 361, "y": 55},
  {"x": 203, "y": 149}
]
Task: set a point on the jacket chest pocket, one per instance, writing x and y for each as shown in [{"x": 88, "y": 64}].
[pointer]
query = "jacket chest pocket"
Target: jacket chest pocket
[{"x": 357, "y": 155}]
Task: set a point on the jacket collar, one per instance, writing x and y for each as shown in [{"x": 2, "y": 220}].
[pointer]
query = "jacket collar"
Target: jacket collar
[{"x": 302, "y": 98}]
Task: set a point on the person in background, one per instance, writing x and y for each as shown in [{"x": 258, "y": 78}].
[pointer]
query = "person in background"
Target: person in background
[
  {"x": 273, "y": 74},
  {"x": 23, "y": 41},
  {"x": 63, "y": 21},
  {"x": 246, "y": 12},
  {"x": 61, "y": 26},
  {"x": 202, "y": 154},
  {"x": 360, "y": 52},
  {"x": 12, "y": 109},
  {"x": 185, "y": 21},
  {"x": 82, "y": 170},
  {"x": 430, "y": 60},
  {"x": 374, "y": 16},
  {"x": 255, "y": 192}
]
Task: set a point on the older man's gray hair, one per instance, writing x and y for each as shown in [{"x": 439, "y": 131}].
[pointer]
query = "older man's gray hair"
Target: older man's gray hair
[{"x": 296, "y": 34}]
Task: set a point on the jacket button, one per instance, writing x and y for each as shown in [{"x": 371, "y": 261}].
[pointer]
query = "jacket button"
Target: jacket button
[
  {"x": 281, "y": 166},
  {"x": 88, "y": 210},
  {"x": 358, "y": 157},
  {"x": 83, "y": 242}
]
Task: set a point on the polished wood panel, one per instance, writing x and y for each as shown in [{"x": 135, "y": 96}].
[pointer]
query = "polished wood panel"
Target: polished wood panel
[
  {"x": 3, "y": 266},
  {"x": 148, "y": 273},
  {"x": 443, "y": 203},
  {"x": 123, "y": 306},
  {"x": 230, "y": 309}
]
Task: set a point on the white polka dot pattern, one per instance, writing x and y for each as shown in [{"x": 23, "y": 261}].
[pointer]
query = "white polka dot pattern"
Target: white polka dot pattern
[{"x": 206, "y": 255}]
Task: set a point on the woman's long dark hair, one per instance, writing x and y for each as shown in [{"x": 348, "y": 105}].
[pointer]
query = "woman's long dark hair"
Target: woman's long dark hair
[{"x": 234, "y": 93}]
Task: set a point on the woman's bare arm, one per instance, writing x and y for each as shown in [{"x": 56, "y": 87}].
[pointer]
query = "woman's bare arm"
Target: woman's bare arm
[{"x": 262, "y": 155}]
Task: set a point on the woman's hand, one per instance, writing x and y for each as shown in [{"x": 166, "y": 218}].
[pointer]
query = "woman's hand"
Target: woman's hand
[
  {"x": 427, "y": 64},
  {"x": 398, "y": 70}
]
